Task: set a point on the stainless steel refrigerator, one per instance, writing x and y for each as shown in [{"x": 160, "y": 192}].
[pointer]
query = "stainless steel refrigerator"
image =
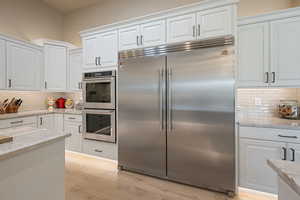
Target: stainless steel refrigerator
[{"x": 177, "y": 114}]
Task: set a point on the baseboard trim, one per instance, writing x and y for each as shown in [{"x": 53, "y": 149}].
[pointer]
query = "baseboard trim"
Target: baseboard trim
[
  {"x": 95, "y": 157},
  {"x": 256, "y": 192}
]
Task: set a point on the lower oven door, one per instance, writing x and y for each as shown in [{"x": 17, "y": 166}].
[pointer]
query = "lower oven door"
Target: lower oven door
[{"x": 100, "y": 125}]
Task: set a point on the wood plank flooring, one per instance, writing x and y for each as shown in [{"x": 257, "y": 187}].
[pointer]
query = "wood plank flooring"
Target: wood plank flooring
[{"x": 89, "y": 178}]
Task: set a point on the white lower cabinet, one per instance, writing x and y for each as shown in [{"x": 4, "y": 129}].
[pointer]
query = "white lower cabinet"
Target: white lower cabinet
[
  {"x": 46, "y": 121},
  {"x": 101, "y": 149},
  {"x": 73, "y": 126}
]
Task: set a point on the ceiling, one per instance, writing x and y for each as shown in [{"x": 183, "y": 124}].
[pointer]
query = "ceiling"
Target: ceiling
[{"x": 66, "y": 6}]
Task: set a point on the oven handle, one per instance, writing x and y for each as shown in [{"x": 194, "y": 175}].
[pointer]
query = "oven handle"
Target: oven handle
[
  {"x": 98, "y": 80},
  {"x": 89, "y": 111}
]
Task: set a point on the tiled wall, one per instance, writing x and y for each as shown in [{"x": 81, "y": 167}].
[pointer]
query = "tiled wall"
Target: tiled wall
[
  {"x": 263, "y": 102},
  {"x": 35, "y": 100}
]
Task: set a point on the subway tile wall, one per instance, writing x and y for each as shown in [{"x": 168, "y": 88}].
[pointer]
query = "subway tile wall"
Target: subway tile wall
[{"x": 255, "y": 103}]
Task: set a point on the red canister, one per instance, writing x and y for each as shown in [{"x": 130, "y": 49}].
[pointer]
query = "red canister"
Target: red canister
[{"x": 60, "y": 103}]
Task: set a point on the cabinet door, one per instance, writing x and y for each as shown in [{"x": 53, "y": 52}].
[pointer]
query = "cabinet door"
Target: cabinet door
[
  {"x": 2, "y": 64},
  {"x": 294, "y": 152},
  {"x": 90, "y": 52},
  {"x": 285, "y": 47},
  {"x": 181, "y": 28},
  {"x": 55, "y": 67},
  {"x": 253, "y": 55},
  {"x": 58, "y": 122},
  {"x": 23, "y": 67},
  {"x": 46, "y": 122},
  {"x": 254, "y": 173},
  {"x": 108, "y": 43},
  {"x": 75, "y": 70},
  {"x": 153, "y": 33},
  {"x": 73, "y": 143},
  {"x": 129, "y": 38},
  {"x": 214, "y": 22}
]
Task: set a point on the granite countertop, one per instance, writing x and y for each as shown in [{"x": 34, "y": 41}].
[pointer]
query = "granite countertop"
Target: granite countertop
[
  {"x": 270, "y": 122},
  {"x": 39, "y": 112},
  {"x": 289, "y": 172},
  {"x": 26, "y": 139}
]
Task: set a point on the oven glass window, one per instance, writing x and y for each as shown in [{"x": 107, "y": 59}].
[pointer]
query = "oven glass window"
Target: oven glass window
[
  {"x": 99, "y": 92},
  {"x": 98, "y": 124}
]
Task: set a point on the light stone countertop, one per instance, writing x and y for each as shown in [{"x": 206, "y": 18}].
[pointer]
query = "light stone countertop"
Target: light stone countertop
[
  {"x": 26, "y": 139},
  {"x": 288, "y": 171},
  {"x": 39, "y": 112},
  {"x": 270, "y": 122}
]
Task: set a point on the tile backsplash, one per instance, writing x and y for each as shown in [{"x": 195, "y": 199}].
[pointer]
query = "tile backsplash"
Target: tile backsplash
[
  {"x": 255, "y": 103},
  {"x": 35, "y": 100}
]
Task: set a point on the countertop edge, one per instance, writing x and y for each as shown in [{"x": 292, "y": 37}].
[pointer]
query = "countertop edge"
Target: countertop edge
[
  {"x": 274, "y": 126},
  {"x": 33, "y": 146}
]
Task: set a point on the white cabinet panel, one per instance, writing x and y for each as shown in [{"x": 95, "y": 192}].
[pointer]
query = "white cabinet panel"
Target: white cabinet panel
[
  {"x": 101, "y": 149},
  {"x": 181, "y": 28},
  {"x": 285, "y": 47},
  {"x": 73, "y": 143},
  {"x": 129, "y": 37},
  {"x": 46, "y": 121},
  {"x": 214, "y": 22},
  {"x": 294, "y": 152},
  {"x": 24, "y": 66},
  {"x": 55, "y": 67},
  {"x": 253, "y": 55},
  {"x": 153, "y": 33},
  {"x": 2, "y": 64},
  {"x": 254, "y": 173},
  {"x": 108, "y": 49},
  {"x": 90, "y": 52},
  {"x": 75, "y": 70},
  {"x": 58, "y": 122}
]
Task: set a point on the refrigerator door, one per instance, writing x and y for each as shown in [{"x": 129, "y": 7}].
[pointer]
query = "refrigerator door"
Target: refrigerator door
[
  {"x": 141, "y": 130},
  {"x": 200, "y": 139}
]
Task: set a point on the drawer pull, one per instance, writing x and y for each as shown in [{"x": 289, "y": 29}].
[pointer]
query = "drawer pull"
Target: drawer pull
[
  {"x": 284, "y": 153},
  {"x": 98, "y": 151},
  {"x": 293, "y": 154},
  {"x": 17, "y": 122},
  {"x": 72, "y": 118},
  {"x": 286, "y": 136}
]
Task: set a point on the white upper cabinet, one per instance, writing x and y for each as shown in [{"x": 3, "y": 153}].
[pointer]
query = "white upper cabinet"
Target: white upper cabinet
[
  {"x": 129, "y": 37},
  {"x": 153, "y": 33},
  {"x": 55, "y": 67},
  {"x": 2, "y": 64},
  {"x": 285, "y": 48},
  {"x": 253, "y": 55},
  {"x": 100, "y": 50},
  {"x": 75, "y": 70},
  {"x": 181, "y": 28},
  {"x": 24, "y": 65},
  {"x": 214, "y": 22}
]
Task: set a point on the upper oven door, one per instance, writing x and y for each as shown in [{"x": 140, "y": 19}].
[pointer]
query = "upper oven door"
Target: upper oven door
[{"x": 99, "y": 93}]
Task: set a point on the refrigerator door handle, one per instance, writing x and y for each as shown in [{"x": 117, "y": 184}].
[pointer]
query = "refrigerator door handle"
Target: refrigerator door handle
[
  {"x": 170, "y": 100},
  {"x": 161, "y": 98}
]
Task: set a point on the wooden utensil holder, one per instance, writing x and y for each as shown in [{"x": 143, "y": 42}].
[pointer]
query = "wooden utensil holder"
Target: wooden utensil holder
[{"x": 12, "y": 109}]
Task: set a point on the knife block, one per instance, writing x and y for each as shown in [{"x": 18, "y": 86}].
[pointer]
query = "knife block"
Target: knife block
[{"x": 12, "y": 109}]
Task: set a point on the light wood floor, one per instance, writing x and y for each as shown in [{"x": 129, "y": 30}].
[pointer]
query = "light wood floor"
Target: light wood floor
[{"x": 88, "y": 178}]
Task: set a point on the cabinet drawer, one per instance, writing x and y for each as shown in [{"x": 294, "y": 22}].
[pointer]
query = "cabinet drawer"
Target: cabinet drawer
[
  {"x": 73, "y": 118},
  {"x": 18, "y": 122},
  {"x": 280, "y": 135},
  {"x": 101, "y": 149}
]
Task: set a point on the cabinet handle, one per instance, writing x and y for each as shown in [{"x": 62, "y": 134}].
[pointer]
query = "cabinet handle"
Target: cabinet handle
[
  {"x": 266, "y": 77},
  {"x": 142, "y": 39},
  {"x": 79, "y": 128},
  {"x": 137, "y": 40},
  {"x": 99, "y": 60},
  {"x": 96, "y": 59},
  {"x": 9, "y": 83},
  {"x": 78, "y": 85},
  {"x": 273, "y": 77},
  {"x": 293, "y": 154},
  {"x": 288, "y": 136},
  {"x": 72, "y": 118},
  {"x": 199, "y": 30},
  {"x": 41, "y": 121},
  {"x": 284, "y": 153},
  {"x": 17, "y": 122},
  {"x": 46, "y": 85},
  {"x": 98, "y": 150},
  {"x": 194, "y": 31}
]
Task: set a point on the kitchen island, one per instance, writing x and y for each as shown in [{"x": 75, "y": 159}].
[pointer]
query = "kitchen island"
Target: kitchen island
[{"x": 32, "y": 165}]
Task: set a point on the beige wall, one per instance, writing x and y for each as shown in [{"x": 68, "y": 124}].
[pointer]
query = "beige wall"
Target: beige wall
[
  {"x": 30, "y": 19},
  {"x": 115, "y": 10}
]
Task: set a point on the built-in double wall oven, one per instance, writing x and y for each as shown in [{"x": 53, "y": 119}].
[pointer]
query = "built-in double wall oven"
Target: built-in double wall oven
[{"x": 99, "y": 98}]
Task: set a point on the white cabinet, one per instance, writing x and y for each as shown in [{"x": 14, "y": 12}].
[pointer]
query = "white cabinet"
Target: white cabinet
[
  {"x": 46, "y": 121},
  {"x": 254, "y": 172},
  {"x": 214, "y": 22},
  {"x": 73, "y": 143},
  {"x": 143, "y": 35},
  {"x": 75, "y": 70},
  {"x": 58, "y": 122},
  {"x": 181, "y": 28},
  {"x": 55, "y": 67},
  {"x": 24, "y": 65},
  {"x": 19, "y": 122},
  {"x": 101, "y": 149},
  {"x": 100, "y": 51},
  {"x": 2, "y": 64},
  {"x": 285, "y": 47},
  {"x": 253, "y": 55}
]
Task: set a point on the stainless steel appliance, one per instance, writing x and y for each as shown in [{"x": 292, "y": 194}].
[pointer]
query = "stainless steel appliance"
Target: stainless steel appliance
[
  {"x": 176, "y": 113},
  {"x": 99, "y": 89},
  {"x": 99, "y": 114}
]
